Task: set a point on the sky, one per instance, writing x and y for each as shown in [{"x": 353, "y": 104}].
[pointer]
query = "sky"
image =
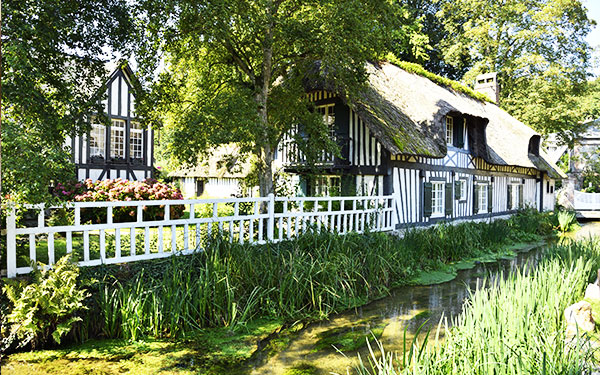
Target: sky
[{"x": 593, "y": 38}]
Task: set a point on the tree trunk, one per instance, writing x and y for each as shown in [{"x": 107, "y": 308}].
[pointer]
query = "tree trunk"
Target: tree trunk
[{"x": 265, "y": 170}]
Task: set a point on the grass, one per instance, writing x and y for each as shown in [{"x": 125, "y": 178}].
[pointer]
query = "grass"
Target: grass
[{"x": 514, "y": 327}]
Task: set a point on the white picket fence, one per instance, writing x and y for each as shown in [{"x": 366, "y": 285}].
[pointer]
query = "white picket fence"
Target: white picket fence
[
  {"x": 139, "y": 239},
  {"x": 586, "y": 201}
]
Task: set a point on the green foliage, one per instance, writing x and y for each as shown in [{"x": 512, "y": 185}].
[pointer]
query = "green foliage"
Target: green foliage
[
  {"x": 538, "y": 47},
  {"x": 237, "y": 71},
  {"x": 311, "y": 277},
  {"x": 567, "y": 221},
  {"x": 47, "y": 307},
  {"x": 515, "y": 326},
  {"x": 52, "y": 69},
  {"x": 442, "y": 81}
]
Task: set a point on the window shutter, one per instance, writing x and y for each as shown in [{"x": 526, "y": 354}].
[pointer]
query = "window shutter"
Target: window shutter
[
  {"x": 476, "y": 199},
  {"x": 457, "y": 192},
  {"x": 521, "y": 196},
  {"x": 449, "y": 200},
  {"x": 427, "y": 188},
  {"x": 459, "y": 134},
  {"x": 490, "y": 197},
  {"x": 509, "y": 198}
]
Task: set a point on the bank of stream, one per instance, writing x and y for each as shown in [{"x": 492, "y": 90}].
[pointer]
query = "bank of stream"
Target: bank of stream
[{"x": 312, "y": 350}]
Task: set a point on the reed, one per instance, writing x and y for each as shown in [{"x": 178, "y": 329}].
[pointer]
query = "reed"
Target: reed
[
  {"x": 515, "y": 325},
  {"x": 307, "y": 278}
]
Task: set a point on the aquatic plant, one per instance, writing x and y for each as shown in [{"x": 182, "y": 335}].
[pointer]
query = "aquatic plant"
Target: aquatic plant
[
  {"x": 513, "y": 327},
  {"x": 567, "y": 221},
  {"x": 307, "y": 278}
]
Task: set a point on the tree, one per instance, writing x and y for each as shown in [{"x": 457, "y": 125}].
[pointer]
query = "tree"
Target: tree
[
  {"x": 236, "y": 70},
  {"x": 537, "y": 46},
  {"x": 432, "y": 31},
  {"x": 52, "y": 70}
]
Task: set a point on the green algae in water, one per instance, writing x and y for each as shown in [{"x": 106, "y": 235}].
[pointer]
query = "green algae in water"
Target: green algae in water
[
  {"x": 302, "y": 369},
  {"x": 434, "y": 277},
  {"x": 349, "y": 338}
]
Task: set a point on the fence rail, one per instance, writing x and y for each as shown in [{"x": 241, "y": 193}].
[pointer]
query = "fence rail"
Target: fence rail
[
  {"x": 586, "y": 201},
  {"x": 166, "y": 232}
]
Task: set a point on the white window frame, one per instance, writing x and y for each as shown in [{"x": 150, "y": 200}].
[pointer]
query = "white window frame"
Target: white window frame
[
  {"x": 438, "y": 191},
  {"x": 482, "y": 197},
  {"x": 463, "y": 190},
  {"x": 136, "y": 133},
  {"x": 98, "y": 140},
  {"x": 514, "y": 192},
  {"x": 449, "y": 131},
  {"x": 117, "y": 138},
  {"x": 323, "y": 186}
]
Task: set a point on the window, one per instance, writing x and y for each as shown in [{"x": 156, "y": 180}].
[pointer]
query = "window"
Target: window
[
  {"x": 135, "y": 141},
  {"x": 449, "y": 130},
  {"x": 325, "y": 186},
  {"x": 463, "y": 190},
  {"x": 328, "y": 112},
  {"x": 514, "y": 196},
  {"x": 199, "y": 187},
  {"x": 482, "y": 198},
  {"x": 437, "y": 199},
  {"x": 117, "y": 139},
  {"x": 97, "y": 141}
]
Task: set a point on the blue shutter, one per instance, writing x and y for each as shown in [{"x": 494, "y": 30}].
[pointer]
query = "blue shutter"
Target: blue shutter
[
  {"x": 427, "y": 209},
  {"x": 449, "y": 200}
]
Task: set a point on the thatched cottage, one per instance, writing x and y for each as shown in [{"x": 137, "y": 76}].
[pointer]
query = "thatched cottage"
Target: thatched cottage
[
  {"x": 220, "y": 174},
  {"x": 444, "y": 154}
]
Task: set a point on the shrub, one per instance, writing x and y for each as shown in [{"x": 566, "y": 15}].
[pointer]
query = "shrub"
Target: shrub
[
  {"x": 48, "y": 306},
  {"x": 121, "y": 190}
]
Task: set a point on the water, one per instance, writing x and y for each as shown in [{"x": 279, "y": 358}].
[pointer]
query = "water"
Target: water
[{"x": 407, "y": 308}]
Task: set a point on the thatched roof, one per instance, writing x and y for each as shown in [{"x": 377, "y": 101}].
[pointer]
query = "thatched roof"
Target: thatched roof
[
  {"x": 405, "y": 112},
  {"x": 222, "y": 162}
]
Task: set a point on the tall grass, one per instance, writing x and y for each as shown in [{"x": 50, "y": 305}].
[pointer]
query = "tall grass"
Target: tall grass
[
  {"x": 515, "y": 326},
  {"x": 306, "y": 278}
]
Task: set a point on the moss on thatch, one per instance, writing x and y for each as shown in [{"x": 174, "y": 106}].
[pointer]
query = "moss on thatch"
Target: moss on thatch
[{"x": 443, "y": 81}]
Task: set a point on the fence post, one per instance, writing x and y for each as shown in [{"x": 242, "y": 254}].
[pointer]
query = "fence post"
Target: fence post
[
  {"x": 271, "y": 222},
  {"x": 11, "y": 242}
]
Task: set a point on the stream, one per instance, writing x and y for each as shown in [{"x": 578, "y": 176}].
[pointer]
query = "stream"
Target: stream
[{"x": 310, "y": 351}]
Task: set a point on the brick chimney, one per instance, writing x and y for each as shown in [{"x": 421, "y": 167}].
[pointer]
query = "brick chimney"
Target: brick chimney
[{"x": 488, "y": 84}]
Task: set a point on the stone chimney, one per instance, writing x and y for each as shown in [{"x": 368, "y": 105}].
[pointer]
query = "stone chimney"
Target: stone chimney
[{"x": 488, "y": 84}]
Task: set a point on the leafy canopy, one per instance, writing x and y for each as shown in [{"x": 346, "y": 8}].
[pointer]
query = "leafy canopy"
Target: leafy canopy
[
  {"x": 237, "y": 70},
  {"x": 537, "y": 46},
  {"x": 51, "y": 74}
]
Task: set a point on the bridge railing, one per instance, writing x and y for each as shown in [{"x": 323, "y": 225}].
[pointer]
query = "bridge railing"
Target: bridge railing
[{"x": 586, "y": 201}]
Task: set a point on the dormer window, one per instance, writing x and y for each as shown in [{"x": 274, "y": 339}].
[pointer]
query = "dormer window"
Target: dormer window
[{"x": 449, "y": 131}]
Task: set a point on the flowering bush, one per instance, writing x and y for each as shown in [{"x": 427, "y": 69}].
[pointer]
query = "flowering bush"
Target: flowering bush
[{"x": 121, "y": 190}]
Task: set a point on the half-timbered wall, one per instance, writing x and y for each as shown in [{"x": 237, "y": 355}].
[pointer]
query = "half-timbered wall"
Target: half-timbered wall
[
  {"x": 359, "y": 147},
  {"x": 364, "y": 148},
  {"x": 455, "y": 158},
  {"x": 122, "y": 149},
  {"x": 409, "y": 189}
]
